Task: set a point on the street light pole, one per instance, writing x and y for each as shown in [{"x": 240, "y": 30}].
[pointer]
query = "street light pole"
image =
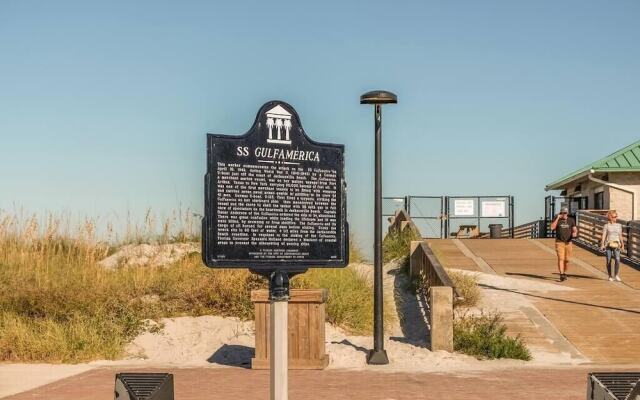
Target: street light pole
[{"x": 378, "y": 355}]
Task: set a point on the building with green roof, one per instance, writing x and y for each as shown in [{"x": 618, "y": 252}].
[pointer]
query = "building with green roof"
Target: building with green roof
[{"x": 611, "y": 183}]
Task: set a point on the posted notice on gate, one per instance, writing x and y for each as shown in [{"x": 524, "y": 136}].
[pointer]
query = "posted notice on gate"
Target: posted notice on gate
[
  {"x": 274, "y": 197},
  {"x": 494, "y": 208},
  {"x": 463, "y": 207}
]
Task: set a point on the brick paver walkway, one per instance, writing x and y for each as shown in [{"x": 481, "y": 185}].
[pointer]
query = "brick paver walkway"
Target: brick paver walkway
[
  {"x": 232, "y": 383},
  {"x": 601, "y": 319}
]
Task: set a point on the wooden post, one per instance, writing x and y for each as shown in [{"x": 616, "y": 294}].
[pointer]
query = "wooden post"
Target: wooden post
[
  {"x": 441, "y": 318},
  {"x": 414, "y": 259},
  {"x": 279, "y": 350}
]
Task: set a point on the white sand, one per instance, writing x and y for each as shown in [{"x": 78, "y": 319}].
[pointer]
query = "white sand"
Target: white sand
[
  {"x": 218, "y": 342},
  {"x": 193, "y": 341},
  {"x": 153, "y": 255},
  {"x": 349, "y": 352}
]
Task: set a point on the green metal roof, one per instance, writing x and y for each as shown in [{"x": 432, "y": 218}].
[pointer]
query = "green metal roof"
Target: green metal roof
[{"x": 623, "y": 160}]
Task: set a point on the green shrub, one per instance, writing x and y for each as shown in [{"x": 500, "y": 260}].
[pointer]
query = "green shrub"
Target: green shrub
[
  {"x": 467, "y": 286},
  {"x": 484, "y": 336}
]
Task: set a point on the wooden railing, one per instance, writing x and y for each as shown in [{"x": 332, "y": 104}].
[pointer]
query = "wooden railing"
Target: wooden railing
[
  {"x": 441, "y": 295},
  {"x": 425, "y": 265},
  {"x": 590, "y": 227},
  {"x": 530, "y": 230},
  {"x": 533, "y": 229},
  {"x": 400, "y": 221}
]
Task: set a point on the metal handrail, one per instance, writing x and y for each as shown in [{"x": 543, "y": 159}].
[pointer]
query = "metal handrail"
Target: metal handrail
[{"x": 590, "y": 227}]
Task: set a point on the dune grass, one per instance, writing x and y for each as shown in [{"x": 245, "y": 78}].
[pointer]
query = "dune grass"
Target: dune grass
[
  {"x": 397, "y": 245},
  {"x": 356, "y": 255},
  {"x": 350, "y": 302},
  {"x": 467, "y": 286},
  {"x": 58, "y": 305}
]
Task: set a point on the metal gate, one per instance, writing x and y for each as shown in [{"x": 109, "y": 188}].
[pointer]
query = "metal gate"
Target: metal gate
[
  {"x": 425, "y": 211},
  {"x": 479, "y": 210},
  {"x": 439, "y": 216}
]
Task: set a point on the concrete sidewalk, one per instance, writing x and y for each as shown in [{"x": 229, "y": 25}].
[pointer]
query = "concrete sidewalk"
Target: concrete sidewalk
[
  {"x": 16, "y": 378},
  {"x": 233, "y": 383}
]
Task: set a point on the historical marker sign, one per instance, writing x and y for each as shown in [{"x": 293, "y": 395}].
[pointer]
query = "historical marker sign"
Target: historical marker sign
[{"x": 274, "y": 198}]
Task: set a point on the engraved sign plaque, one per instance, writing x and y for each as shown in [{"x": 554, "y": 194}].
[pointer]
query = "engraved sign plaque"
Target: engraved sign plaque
[{"x": 274, "y": 198}]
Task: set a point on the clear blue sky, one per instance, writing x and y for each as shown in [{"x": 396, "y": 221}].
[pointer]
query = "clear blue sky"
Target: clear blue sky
[{"x": 104, "y": 106}]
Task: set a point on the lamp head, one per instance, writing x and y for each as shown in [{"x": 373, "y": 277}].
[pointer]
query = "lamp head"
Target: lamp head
[{"x": 378, "y": 97}]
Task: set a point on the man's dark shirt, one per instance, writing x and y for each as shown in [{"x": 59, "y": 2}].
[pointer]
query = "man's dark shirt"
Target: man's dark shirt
[{"x": 564, "y": 230}]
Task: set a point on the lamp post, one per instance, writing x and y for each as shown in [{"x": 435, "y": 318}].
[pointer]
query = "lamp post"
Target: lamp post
[{"x": 378, "y": 355}]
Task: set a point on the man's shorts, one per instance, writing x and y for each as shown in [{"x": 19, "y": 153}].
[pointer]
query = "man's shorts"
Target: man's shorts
[{"x": 564, "y": 250}]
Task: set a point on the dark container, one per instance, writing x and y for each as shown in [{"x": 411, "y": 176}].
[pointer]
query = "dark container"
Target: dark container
[
  {"x": 143, "y": 386},
  {"x": 613, "y": 386},
  {"x": 495, "y": 231}
]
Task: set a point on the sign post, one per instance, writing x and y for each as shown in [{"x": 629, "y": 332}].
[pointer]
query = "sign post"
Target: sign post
[
  {"x": 278, "y": 343},
  {"x": 275, "y": 203}
]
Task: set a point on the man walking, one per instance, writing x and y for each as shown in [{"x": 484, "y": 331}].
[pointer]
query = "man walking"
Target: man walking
[{"x": 566, "y": 231}]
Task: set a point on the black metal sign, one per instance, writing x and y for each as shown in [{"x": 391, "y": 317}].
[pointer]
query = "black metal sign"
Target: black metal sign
[{"x": 274, "y": 198}]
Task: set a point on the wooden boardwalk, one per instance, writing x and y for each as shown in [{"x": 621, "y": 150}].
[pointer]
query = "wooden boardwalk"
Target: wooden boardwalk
[
  {"x": 601, "y": 319},
  {"x": 630, "y": 275}
]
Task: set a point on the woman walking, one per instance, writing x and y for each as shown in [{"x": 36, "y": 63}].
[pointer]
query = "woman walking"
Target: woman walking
[{"x": 612, "y": 242}]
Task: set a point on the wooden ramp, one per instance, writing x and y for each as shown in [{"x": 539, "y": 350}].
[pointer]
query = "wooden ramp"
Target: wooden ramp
[{"x": 600, "y": 318}]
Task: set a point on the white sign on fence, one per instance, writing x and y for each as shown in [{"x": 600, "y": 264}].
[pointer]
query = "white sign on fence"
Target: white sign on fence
[
  {"x": 463, "y": 207},
  {"x": 494, "y": 208}
]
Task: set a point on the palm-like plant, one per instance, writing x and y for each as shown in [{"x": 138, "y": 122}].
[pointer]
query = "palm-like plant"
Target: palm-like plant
[
  {"x": 279, "y": 127},
  {"x": 270, "y": 126},
  {"x": 287, "y": 127}
]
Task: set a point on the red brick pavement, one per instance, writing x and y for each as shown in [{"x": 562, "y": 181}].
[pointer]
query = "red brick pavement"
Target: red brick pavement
[{"x": 230, "y": 383}]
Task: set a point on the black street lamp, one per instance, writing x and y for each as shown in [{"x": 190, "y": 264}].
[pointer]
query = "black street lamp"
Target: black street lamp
[{"x": 378, "y": 355}]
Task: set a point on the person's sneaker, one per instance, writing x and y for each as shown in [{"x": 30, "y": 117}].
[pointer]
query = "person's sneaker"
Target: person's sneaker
[
  {"x": 563, "y": 277},
  {"x": 610, "y": 279},
  {"x": 618, "y": 278}
]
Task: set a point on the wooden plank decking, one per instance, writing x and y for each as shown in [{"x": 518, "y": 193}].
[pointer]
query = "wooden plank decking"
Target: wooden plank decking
[{"x": 601, "y": 318}]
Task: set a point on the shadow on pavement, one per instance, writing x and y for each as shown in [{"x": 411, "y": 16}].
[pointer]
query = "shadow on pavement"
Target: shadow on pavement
[
  {"x": 560, "y": 300},
  {"x": 233, "y": 355},
  {"x": 549, "y": 278},
  {"x": 348, "y": 343}
]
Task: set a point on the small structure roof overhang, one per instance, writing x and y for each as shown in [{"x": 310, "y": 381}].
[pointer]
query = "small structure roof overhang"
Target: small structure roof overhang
[{"x": 623, "y": 160}]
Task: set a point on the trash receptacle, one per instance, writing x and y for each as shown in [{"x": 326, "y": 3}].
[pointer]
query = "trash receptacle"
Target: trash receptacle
[{"x": 495, "y": 231}]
